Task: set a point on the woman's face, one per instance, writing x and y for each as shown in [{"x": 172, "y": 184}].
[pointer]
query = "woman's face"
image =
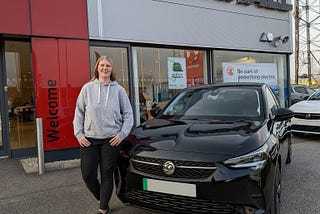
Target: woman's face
[{"x": 104, "y": 69}]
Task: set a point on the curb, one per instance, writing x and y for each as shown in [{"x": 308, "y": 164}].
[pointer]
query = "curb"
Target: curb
[{"x": 30, "y": 165}]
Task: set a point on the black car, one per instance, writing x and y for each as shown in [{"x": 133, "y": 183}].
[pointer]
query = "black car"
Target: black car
[{"x": 213, "y": 149}]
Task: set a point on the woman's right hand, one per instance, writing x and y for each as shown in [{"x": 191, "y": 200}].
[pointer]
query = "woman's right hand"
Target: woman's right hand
[{"x": 84, "y": 142}]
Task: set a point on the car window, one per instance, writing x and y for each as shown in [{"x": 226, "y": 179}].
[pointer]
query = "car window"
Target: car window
[
  {"x": 217, "y": 102},
  {"x": 272, "y": 102},
  {"x": 309, "y": 90},
  {"x": 301, "y": 89}
]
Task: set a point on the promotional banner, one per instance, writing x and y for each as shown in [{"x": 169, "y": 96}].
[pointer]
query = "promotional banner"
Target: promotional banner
[
  {"x": 194, "y": 61},
  {"x": 177, "y": 78},
  {"x": 255, "y": 72}
]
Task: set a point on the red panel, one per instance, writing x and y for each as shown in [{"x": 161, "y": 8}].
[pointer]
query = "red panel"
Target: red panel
[
  {"x": 61, "y": 67},
  {"x": 60, "y": 18},
  {"x": 14, "y": 17},
  {"x": 194, "y": 67}
]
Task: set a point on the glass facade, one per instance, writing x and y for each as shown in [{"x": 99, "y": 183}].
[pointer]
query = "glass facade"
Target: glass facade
[
  {"x": 20, "y": 94},
  {"x": 156, "y": 74},
  {"x": 119, "y": 58},
  {"x": 235, "y": 66},
  {"x": 159, "y": 73}
]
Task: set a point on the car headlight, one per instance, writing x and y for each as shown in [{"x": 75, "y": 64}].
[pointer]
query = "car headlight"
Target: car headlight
[{"x": 256, "y": 159}]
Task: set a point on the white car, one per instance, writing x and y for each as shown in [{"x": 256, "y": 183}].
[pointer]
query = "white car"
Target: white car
[{"x": 306, "y": 115}]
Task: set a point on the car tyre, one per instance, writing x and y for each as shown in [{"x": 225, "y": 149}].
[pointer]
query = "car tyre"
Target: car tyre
[
  {"x": 288, "y": 159},
  {"x": 276, "y": 199},
  {"x": 117, "y": 179},
  {"x": 118, "y": 174}
]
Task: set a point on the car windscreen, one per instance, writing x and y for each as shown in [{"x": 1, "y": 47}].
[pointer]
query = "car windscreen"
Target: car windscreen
[
  {"x": 315, "y": 96},
  {"x": 216, "y": 102}
]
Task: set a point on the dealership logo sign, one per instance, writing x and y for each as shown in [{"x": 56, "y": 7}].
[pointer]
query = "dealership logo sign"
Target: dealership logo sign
[{"x": 270, "y": 4}]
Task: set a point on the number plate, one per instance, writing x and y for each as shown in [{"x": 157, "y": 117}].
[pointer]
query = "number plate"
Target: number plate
[{"x": 169, "y": 187}]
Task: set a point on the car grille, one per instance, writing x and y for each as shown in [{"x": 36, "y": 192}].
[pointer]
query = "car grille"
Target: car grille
[
  {"x": 306, "y": 128},
  {"x": 176, "y": 203},
  {"x": 307, "y": 116},
  {"x": 184, "y": 169}
]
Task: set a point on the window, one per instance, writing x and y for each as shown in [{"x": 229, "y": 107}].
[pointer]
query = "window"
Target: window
[
  {"x": 161, "y": 73},
  {"x": 272, "y": 103},
  {"x": 301, "y": 89},
  {"x": 309, "y": 90},
  {"x": 119, "y": 59},
  {"x": 233, "y": 66}
]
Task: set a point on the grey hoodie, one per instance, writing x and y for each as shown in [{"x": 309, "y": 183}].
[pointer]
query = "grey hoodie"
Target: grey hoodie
[{"x": 102, "y": 111}]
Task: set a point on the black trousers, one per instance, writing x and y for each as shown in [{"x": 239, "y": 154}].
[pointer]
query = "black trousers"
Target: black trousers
[{"x": 99, "y": 154}]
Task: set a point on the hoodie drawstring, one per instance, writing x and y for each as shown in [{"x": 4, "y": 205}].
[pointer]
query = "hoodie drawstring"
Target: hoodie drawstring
[
  {"x": 99, "y": 93},
  {"x": 107, "y": 95}
]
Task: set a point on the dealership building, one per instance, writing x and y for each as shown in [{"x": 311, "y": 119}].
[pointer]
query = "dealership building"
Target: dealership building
[{"x": 158, "y": 47}]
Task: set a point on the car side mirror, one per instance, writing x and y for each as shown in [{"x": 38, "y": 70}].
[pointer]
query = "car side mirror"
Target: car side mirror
[
  {"x": 283, "y": 114},
  {"x": 155, "y": 111}
]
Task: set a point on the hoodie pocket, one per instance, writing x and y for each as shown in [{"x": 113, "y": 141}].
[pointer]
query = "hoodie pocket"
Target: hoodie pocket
[
  {"x": 99, "y": 122},
  {"x": 107, "y": 117}
]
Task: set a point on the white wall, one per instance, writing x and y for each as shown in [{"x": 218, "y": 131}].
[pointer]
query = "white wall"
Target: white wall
[{"x": 201, "y": 23}]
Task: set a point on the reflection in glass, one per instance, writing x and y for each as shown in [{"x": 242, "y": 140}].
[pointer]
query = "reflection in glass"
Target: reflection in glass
[
  {"x": 20, "y": 94},
  {"x": 215, "y": 102},
  {"x": 162, "y": 73},
  {"x": 253, "y": 58},
  {"x": 119, "y": 59}
]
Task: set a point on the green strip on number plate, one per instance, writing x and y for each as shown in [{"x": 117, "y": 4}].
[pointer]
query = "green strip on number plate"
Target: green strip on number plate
[{"x": 145, "y": 184}]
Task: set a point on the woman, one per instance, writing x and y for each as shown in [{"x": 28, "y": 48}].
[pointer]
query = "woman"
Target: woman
[{"x": 103, "y": 118}]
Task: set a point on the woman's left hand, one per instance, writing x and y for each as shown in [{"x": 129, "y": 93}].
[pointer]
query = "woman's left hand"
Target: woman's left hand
[{"x": 115, "y": 141}]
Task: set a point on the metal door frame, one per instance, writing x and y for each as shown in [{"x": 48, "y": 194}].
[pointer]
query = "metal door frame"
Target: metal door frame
[{"x": 4, "y": 102}]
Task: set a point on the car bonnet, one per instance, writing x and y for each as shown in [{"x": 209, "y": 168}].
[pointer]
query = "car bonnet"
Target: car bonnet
[{"x": 220, "y": 141}]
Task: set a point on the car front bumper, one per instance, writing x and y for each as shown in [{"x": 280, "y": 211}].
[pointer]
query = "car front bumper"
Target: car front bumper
[
  {"x": 308, "y": 126},
  {"x": 246, "y": 193}
]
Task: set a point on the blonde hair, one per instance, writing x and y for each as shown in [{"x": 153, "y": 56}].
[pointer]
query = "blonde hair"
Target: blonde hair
[{"x": 95, "y": 69}]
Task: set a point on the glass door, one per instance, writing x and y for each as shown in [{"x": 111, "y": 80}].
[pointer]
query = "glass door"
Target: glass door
[
  {"x": 20, "y": 94},
  {"x": 19, "y": 98},
  {"x": 3, "y": 128}
]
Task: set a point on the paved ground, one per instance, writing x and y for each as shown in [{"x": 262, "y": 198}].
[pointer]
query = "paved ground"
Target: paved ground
[
  {"x": 63, "y": 191},
  {"x": 300, "y": 179},
  {"x": 59, "y": 191}
]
